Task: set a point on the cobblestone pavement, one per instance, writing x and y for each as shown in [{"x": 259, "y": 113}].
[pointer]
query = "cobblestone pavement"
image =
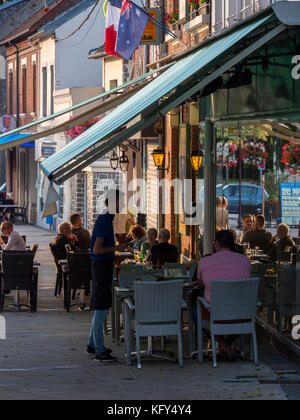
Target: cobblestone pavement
[{"x": 43, "y": 358}]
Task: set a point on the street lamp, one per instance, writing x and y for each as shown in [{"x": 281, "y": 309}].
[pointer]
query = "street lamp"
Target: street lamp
[
  {"x": 197, "y": 157},
  {"x": 159, "y": 160},
  {"x": 158, "y": 157},
  {"x": 124, "y": 162},
  {"x": 114, "y": 161}
]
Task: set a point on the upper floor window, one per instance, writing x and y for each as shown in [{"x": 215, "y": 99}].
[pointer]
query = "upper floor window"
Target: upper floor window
[{"x": 228, "y": 12}]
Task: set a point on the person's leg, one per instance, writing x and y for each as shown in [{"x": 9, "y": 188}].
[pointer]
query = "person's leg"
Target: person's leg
[
  {"x": 91, "y": 338},
  {"x": 97, "y": 336}
]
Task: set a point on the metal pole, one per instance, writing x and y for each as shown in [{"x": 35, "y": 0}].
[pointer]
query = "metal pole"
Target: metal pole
[
  {"x": 85, "y": 217},
  {"x": 263, "y": 193},
  {"x": 209, "y": 187},
  {"x": 239, "y": 225}
]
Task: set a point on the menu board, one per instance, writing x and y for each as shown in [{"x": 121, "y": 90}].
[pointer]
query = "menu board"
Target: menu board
[{"x": 290, "y": 203}]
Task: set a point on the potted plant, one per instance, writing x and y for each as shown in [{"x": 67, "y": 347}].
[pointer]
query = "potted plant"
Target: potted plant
[
  {"x": 195, "y": 6},
  {"x": 173, "y": 17},
  {"x": 291, "y": 158}
]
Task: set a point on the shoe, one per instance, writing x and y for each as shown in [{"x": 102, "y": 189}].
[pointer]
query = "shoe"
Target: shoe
[
  {"x": 90, "y": 350},
  {"x": 104, "y": 357}
]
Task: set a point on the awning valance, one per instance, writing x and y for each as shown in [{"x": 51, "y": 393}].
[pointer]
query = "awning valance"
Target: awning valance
[{"x": 182, "y": 80}]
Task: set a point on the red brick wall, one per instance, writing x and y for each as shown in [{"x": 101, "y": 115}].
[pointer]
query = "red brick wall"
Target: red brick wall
[{"x": 25, "y": 51}]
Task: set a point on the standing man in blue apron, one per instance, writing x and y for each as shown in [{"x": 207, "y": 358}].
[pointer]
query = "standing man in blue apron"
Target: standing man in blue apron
[{"x": 102, "y": 254}]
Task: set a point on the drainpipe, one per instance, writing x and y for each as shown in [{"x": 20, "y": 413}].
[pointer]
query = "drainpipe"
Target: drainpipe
[
  {"x": 17, "y": 83},
  {"x": 17, "y": 113}
]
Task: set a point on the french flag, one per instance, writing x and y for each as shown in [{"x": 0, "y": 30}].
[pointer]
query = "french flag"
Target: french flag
[
  {"x": 125, "y": 26},
  {"x": 112, "y": 25}
]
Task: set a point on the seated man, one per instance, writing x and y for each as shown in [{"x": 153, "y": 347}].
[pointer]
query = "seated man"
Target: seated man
[
  {"x": 83, "y": 235},
  {"x": 225, "y": 264},
  {"x": 163, "y": 252},
  {"x": 283, "y": 246},
  {"x": 248, "y": 223},
  {"x": 64, "y": 237},
  {"x": 259, "y": 236},
  {"x": 15, "y": 241}
]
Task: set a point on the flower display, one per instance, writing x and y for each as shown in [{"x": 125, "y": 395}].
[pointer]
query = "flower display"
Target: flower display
[
  {"x": 80, "y": 128},
  {"x": 172, "y": 17},
  {"x": 229, "y": 157},
  {"x": 291, "y": 157},
  {"x": 254, "y": 153}
]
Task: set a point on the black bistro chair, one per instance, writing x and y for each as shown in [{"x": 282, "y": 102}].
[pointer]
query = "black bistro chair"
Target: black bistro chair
[
  {"x": 76, "y": 274},
  {"x": 18, "y": 273},
  {"x": 59, "y": 274},
  {"x": 20, "y": 212}
]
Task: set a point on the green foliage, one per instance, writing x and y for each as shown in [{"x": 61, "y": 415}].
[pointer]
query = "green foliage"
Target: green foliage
[{"x": 272, "y": 184}]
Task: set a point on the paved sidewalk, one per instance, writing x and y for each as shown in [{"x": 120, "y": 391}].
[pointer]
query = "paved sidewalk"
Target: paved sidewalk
[{"x": 43, "y": 358}]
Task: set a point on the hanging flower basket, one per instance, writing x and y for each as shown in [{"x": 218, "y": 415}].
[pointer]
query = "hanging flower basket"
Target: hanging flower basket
[
  {"x": 291, "y": 157},
  {"x": 229, "y": 157},
  {"x": 80, "y": 128},
  {"x": 254, "y": 154}
]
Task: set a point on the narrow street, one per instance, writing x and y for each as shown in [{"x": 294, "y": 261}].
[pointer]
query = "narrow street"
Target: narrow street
[{"x": 43, "y": 358}]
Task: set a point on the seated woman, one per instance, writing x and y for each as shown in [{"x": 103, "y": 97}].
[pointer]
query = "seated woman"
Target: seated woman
[
  {"x": 151, "y": 240},
  {"x": 138, "y": 235}
]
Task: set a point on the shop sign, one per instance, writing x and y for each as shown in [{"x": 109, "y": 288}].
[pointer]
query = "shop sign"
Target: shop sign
[
  {"x": 153, "y": 35},
  {"x": 7, "y": 123},
  {"x": 48, "y": 150}
]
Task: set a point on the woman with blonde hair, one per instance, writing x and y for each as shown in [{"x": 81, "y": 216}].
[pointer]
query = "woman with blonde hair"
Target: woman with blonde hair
[{"x": 222, "y": 213}]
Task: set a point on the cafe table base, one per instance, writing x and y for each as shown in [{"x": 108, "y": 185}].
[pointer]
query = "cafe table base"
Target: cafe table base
[{"x": 150, "y": 353}]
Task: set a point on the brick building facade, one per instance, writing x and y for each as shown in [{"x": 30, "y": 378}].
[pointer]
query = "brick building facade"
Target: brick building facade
[{"x": 191, "y": 30}]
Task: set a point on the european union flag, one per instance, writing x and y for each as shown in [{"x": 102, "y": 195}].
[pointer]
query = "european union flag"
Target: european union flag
[{"x": 132, "y": 24}]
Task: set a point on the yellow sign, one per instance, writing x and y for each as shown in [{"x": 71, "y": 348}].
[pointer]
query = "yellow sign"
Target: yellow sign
[{"x": 150, "y": 31}]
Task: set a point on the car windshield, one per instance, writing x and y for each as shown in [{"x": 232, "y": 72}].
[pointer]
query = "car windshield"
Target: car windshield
[{"x": 3, "y": 187}]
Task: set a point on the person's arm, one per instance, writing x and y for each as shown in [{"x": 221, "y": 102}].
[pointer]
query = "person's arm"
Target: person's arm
[
  {"x": 227, "y": 220},
  {"x": 100, "y": 249},
  {"x": 198, "y": 282},
  {"x": 131, "y": 221}
]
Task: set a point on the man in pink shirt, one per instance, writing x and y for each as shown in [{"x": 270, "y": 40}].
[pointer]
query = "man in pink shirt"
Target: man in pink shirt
[{"x": 223, "y": 265}]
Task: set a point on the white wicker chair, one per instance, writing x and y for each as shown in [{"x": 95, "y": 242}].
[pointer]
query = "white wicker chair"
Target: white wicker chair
[
  {"x": 157, "y": 313},
  {"x": 176, "y": 266},
  {"x": 127, "y": 279},
  {"x": 230, "y": 300}
]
